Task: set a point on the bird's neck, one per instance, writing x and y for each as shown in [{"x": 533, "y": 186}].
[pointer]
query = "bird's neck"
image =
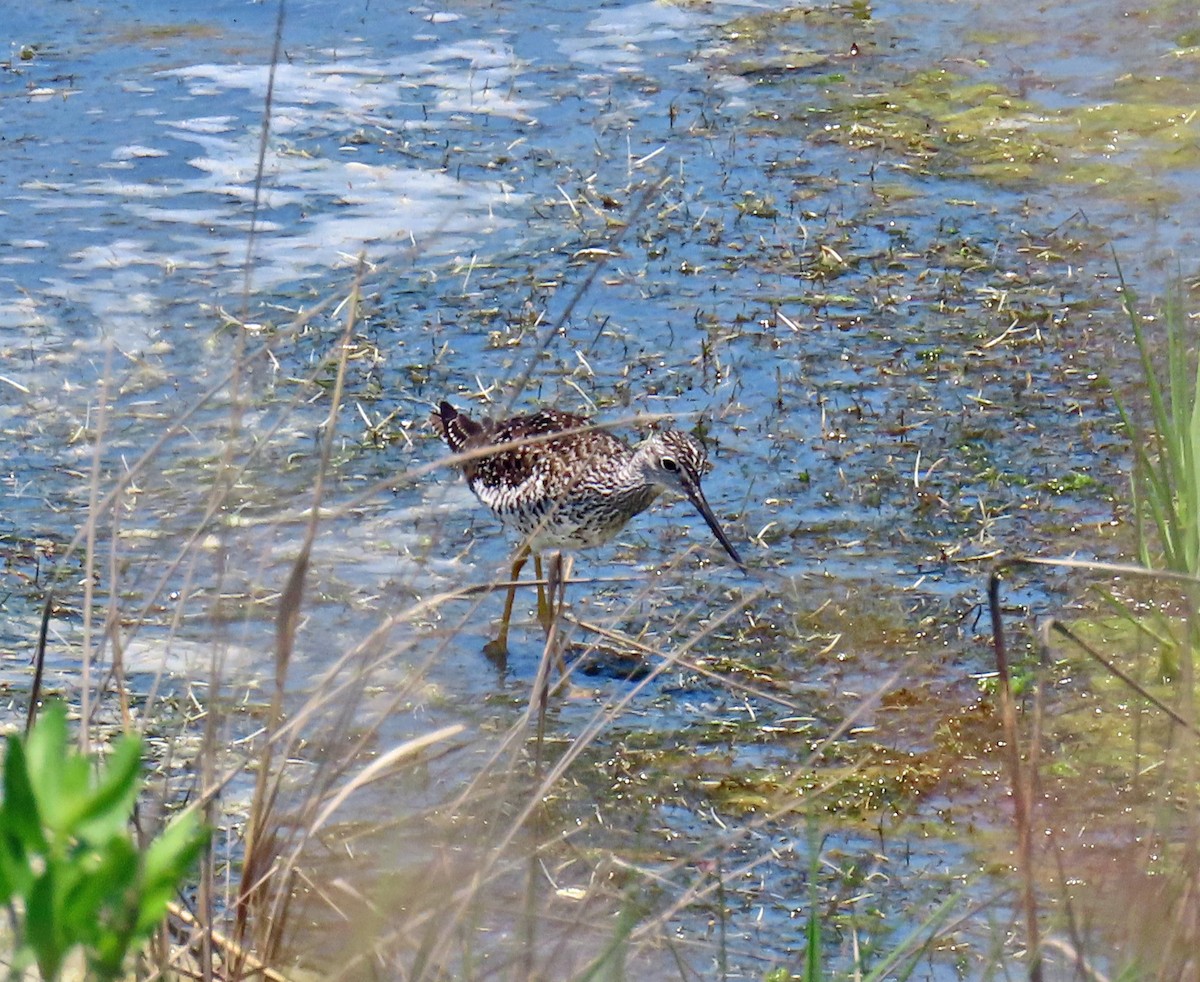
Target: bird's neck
[{"x": 637, "y": 488}]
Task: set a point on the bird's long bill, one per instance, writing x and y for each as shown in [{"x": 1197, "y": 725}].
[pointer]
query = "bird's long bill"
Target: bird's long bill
[{"x": 696, "y": 497}]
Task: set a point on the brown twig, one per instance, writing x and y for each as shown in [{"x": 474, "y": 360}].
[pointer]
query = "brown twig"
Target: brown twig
[
  {"x": 39, "y": 663},
  {"x": 1017, "y": 777}
]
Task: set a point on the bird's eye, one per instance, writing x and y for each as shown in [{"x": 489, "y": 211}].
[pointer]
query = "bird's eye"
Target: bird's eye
[{"x": 670, "y": 464}]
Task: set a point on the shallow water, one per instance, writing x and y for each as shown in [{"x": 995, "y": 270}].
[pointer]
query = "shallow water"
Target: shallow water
[{"x": 898, "y": 351}]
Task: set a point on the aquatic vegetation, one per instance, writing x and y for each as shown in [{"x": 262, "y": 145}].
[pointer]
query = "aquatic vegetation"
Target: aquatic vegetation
[{"x": 72, "y": 879}]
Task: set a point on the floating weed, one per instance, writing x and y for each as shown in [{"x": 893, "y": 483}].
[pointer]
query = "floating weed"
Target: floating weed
[
  {"x": 1070, "y": 482},
  {"x": 756, "y": 206},
  {"x": 761, "y": 27},
  {"x": 999, "y": 134},
  {"x": 878, "y": 780},
  {"x": 154, "y": 34}
]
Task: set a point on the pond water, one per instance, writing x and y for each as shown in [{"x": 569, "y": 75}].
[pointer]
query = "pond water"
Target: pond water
[{"x": 864, "y": 248}]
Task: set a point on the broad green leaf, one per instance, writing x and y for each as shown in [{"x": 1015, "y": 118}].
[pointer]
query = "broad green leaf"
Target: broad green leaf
[
  {"x": 104, "y": 811},
  {"x": 16, "y": 875},
  {"x": 20, "y": 813},
  {"x": 106, "y": 960},
  {"x": 101, "y": 908},
  {"x": 48, "y": 761},
  {"x": 166, "y": 864},
  {"x": 46, "y": 743},
  {"x": 61, "y": 793},
  {"x": 43, "y": 925},
  {"x": 107, "y": 877}
]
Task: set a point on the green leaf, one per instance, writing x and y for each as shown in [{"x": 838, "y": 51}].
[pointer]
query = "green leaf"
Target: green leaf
[
  {"x": 16, "y": 875},
  {"x": 104, "y": 811},
  {"x": 106, "y": 876},
  {"x": 43, "y": 925},
  {"x": 20, "y": 814},
  {"x": 46, "y": 743},
  {"x": 166, "y": 865},
  {"x": 101, "y": 907},
  {"x": 60, "y": 793},
  {"x": 48, "y": 762}
]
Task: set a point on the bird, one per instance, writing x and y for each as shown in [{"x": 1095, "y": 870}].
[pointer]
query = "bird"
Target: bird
[{"x": 562, "y": 483}]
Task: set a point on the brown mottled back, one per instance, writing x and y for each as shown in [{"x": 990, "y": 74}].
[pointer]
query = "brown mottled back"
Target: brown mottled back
[{"x": 563, "y": 483}]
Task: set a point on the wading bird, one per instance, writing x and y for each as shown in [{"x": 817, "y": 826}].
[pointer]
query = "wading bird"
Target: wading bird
[{"x": 562, "y": 483}]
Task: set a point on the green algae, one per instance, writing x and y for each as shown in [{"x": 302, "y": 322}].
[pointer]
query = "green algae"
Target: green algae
[{"x": 944, "y": 121}]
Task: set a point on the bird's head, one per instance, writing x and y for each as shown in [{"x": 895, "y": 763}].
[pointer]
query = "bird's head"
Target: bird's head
[{"x": 676, "y": 461}]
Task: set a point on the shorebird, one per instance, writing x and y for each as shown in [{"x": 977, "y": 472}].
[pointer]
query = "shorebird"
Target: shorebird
[{"x": 562, "y": 483}]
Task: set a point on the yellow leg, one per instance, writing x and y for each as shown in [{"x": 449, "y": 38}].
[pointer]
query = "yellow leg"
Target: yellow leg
[
  {"x": 499, "y": 647},
  {"x": 550, "y": 603},
  {"x": 545, "y": 609},
  {"x": 560, "y": 571}
]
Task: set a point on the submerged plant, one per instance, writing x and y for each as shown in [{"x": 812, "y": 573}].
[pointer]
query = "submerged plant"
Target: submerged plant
[{"x": 71, "y": 875}]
